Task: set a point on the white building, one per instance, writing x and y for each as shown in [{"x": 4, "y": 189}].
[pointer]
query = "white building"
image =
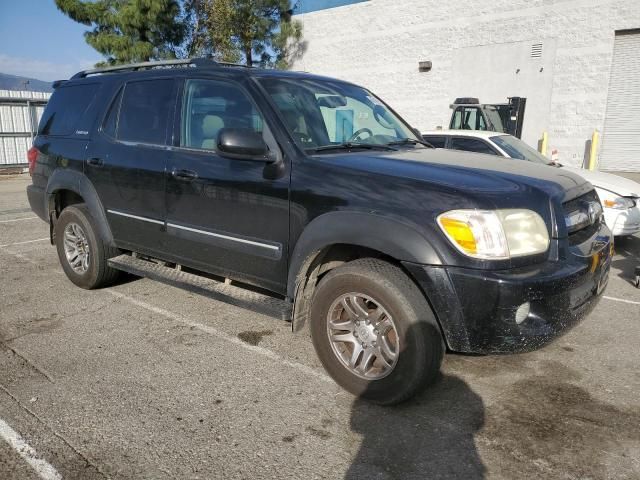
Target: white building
[{"x": 576, "y": 61}]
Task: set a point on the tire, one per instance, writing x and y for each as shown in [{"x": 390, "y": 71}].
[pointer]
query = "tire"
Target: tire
[
  {"x": 388, "y": 296},
  {"x": 95, "y": 272}
]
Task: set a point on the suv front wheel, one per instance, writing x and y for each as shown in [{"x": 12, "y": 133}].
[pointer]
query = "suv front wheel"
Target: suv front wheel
[
  {"x": 82, "y": 253},
  {"x": 374, "y": 332}
]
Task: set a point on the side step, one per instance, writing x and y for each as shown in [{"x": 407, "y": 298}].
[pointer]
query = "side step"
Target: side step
[{"x": 221, "y": 291}]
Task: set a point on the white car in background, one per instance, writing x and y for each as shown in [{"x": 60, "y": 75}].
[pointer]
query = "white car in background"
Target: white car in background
[{"x": 620, "y": 196}]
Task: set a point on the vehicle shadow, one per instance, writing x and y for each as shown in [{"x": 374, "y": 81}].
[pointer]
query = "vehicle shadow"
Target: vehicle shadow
[
  {"x": 431, "y": 436},
  {"x": 627, "y": 257}
]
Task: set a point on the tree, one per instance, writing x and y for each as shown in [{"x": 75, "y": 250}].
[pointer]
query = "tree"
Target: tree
[
  {"x": 126, "y": 31},
  {"x": 253, "y": 31}
]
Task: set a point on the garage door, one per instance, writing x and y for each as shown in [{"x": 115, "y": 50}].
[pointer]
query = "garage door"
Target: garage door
[{"x": 621, "y": 139}]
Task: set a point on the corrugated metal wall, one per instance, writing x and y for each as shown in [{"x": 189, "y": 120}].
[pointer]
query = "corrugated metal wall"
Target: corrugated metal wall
[
  {"x": 20, "y": 112},
  {"x": 24, "y": 94},
  {"x": 620, "y": 142}
]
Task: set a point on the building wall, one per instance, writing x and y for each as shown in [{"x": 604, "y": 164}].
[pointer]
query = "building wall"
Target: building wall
[
  {"x": 18, "y": 121},
  {"x": 379, "y": 43}
]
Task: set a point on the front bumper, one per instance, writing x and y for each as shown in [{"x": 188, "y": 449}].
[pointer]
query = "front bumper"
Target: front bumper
[
  {"x": 476, "y": 308},
  {"x": 623, "y": 222}
]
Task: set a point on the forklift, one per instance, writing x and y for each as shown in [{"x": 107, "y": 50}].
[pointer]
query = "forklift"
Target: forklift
[{"x": 470, "y": 114}]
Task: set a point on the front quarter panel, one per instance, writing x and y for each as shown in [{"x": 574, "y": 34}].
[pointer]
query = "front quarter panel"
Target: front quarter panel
[{"x": 391, "y": 236}]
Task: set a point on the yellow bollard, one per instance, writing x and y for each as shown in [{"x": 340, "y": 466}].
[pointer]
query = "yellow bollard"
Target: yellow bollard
[
  {"x": 542, "y": 144},
  {"x": 593, "y": 151}
]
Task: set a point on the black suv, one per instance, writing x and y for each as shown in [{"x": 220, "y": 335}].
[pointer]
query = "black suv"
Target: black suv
[{"x": 314, "y": 189}]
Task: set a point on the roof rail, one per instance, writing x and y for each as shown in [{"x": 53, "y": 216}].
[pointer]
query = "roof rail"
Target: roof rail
[{"x": 198, "y": 62}]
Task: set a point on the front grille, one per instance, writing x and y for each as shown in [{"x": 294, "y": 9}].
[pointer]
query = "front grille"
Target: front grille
[{"x": 583, "y": 216}]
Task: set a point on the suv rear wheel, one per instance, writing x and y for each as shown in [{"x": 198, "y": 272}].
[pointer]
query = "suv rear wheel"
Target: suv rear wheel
[
  {"x": 374, "y": 332},
  {"x": 82, "y": 253}
]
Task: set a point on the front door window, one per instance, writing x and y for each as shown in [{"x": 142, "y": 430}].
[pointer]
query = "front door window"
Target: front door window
[{"x": 208, "y": 107}]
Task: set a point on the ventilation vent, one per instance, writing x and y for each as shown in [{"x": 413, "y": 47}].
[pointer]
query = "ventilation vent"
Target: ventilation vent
[{"x": 536, "y": 50}]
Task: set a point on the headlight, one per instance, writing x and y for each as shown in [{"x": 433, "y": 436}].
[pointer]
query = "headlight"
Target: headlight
[
  {"x": 495, "y": 234},
  {"x": 613, "y": 200},
  {"x": 619, "y": 203}
]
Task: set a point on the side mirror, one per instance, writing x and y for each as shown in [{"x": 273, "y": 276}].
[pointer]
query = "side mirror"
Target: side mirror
[{"x": 243, "y": 144}]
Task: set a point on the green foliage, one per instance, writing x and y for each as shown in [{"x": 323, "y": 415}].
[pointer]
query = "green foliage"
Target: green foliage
[
  {"x": 253, "y": 31},
  {"x": 126, "y": 31}
]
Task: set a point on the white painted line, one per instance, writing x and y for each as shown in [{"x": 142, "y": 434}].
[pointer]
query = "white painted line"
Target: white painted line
[
  {"x": 228, "y": 338},
  {"x": 43, "y": 469},
  {"x": 621, "y": 300},
  {"x": 22, "y": 243},
  {"x": 18, "y": 219}
]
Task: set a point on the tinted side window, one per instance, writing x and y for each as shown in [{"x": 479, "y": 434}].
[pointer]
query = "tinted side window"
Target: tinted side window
[
  {"x": 436, "y": 141},
  {"x": 65, "y": 109},
  {"x": 208, "y": 107},
  {"x": 144, "y": 112},
  {"x": 471, "y": 145}
]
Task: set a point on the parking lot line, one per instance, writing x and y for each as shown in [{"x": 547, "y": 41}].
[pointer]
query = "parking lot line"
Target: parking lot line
[
  {"x": 621, "y": 300},
  {"x": 45, "y": 470},
  {"x": 22, "y": 243},
  {"x": 223, "y": 336},
  {"x": 17, "y": 219}
]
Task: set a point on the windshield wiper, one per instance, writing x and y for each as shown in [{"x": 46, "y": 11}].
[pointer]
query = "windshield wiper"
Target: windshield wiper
[
  {"x": 412, "y": 141},
  {"x": 352, "y": 146}
]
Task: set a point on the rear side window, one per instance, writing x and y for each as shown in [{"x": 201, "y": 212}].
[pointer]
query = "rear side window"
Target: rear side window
[
  {"x": 65, "y": 109},
  {"x": 471, "y": 145},
  {"x": 145, "y": 111},
  {"x": 436, "y": 141}
]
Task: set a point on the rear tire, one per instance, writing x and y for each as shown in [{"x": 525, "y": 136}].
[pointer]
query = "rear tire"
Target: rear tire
[
  {"x": 352, "y": 308},
  {"x": 82, "y": 252}
]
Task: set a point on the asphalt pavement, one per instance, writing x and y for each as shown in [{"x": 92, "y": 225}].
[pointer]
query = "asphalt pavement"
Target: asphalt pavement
[{"x": 144, "y": 380}]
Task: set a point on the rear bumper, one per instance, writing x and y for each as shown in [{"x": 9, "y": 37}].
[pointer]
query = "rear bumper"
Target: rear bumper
[
  {"x": 477, "y": 308},
  {"x": 36, "y": 196}
]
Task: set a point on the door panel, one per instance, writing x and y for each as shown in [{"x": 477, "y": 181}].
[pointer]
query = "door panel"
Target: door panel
[
  {"x": 126, "y": 163},
  {"x": 228, "y": 216}
]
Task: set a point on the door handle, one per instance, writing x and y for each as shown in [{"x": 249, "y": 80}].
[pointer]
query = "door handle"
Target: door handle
[
  {"x": 184, "y": 175},
  {"x": 95, "y": 161}
]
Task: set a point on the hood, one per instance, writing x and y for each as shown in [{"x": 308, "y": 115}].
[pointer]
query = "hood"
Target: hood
[
  {"x": 614, "y": 183},
  {"x": 466, "y": 171}
]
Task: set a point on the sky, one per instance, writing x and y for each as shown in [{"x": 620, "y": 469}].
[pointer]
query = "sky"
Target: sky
[
  {"x": 39, "y": 41},
  {"x": 305, "y": 6}
]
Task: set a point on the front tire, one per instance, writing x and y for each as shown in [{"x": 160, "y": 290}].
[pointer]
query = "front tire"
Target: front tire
[
  {"x": 374, "y": 331},
  {"x": 82, "y": 253}
]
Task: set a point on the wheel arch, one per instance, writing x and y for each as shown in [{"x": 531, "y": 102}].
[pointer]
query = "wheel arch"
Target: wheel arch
[
  {"x": 393, "y": 238},
  {"x": 335, "y": 238},
  {"x": 65, "y": 185}
]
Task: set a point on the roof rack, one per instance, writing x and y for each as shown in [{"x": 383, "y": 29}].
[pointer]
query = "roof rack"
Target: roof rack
[{"x": 197, "y": 62}]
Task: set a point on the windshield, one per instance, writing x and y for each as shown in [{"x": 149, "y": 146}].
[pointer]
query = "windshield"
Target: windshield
[
  {"x": 322, "y": 113},
  {"x": 516, "y": 148}
]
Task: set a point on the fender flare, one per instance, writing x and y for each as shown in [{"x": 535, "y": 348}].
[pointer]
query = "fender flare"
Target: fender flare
[
  {"x": 77, "y": 182},
  {"x": 394, "y": 237}
]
